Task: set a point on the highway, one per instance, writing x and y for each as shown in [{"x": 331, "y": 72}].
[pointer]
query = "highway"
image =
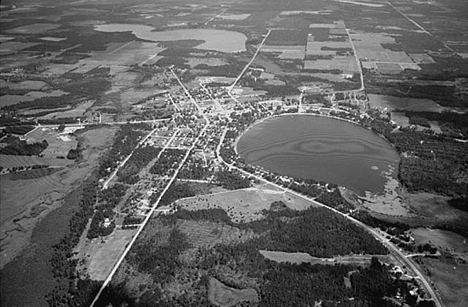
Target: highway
[
  {"x": 155, "y": 205},
  {"x": 393, "y": 249},
  {"x": 358, "y": 63},
  {"x": 250, "y": 62}
]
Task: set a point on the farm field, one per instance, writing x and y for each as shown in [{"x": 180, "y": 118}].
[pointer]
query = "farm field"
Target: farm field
[
  {"x": 102, "y": 255},
  {"x": 82, "y": 83},
  {"x": 411, "y": 104},
  {"x": 24, "y": 203},
  {"x": 449, "y": 276}
]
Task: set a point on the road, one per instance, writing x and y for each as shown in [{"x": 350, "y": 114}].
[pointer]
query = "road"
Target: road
[
  {"x": 395, "y": 250},
  {"x": 106, "y": 183},
  {"x": 417, "y": 25},
  {"x": 409, "y": 19},
  {"x": 91, "y": 124},
  {"x": 250, "y": 62},
  {"x": 155, "y": 205},
  {"x": 358, "y": 63}
]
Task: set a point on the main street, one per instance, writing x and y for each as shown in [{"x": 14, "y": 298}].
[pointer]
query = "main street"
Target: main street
[
  {"x": 155, "y": 205},
  {"x": 393, "y": 249}
]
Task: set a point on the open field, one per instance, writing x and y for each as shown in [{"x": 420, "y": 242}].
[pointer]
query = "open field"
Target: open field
[
  {"x": 59, "y": 143},
  {"x": 102, "y": 255},
  {"x": 25, "y": 202},
  {"x": 23, "y": 85},
  {"x": 205, "y": 233},
  {"x": 35, "y": 28},
  {"x": 449, "y": 277},
  {"x": 410, "y": 104},
  {"x": 369, "y": 48},
  {"x": 8, "y": 100},
  {"x": 9, "y": 161},
  {"x": 286, "y": 52},
  {"x": 442, "y": 239},
  {"x": 108, "y": 58},
  {"x": 346, "y": 64},
  {"x": 224, "y": 296},
  {"x": 75, "y": 112},
  {"x": 298, "y": 258},
  {"x": 243, "y": 205}
]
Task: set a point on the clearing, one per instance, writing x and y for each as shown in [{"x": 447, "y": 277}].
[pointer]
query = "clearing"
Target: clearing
[
  {"x": 243, "y": 205},
  {"x": 222, "y": 295}
]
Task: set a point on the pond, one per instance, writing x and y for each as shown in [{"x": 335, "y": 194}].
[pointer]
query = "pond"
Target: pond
[
  {"x": 320, "y": 148},
  {"x": 219, "y": 40}
]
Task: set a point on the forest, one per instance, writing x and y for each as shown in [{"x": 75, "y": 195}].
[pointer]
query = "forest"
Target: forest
[
  {"x": 166, "y": 164},
  {"x": 140, "y": 158},
  {"x": 164, "y": 256},
  {"x": 72, "y": 289},
  {"x": 125, "y": 141},
  {"x": 22, "y": 148},
  {"x": 451, "y": 123},
  {"x": 232, "y": 181},
  {"x": 430, "y": 162}
]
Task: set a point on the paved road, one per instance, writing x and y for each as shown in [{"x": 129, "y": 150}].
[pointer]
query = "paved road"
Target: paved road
[
  {"x": 250, "y": 62},
  {"x": 358, "y": 63},
  {"x": 106, "y": 183},
  {"x": 155, "y": 205},
  {"x": 395, "y": 250}
]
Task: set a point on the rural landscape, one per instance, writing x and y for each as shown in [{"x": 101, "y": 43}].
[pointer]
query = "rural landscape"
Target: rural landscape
[{"x": 234, "y": 153}]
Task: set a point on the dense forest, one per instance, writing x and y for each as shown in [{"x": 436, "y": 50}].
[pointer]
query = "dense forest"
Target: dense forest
[
  {"x": 74, "y": 290},
  {"x": 22, "y": 148},
  {"x": 173, "y": 260},
  {"x": 125, "y": 141},
  {"x": 167, "y": 162},
  {"x": 232, "y": 181},
  {"x": 140, "y": 158}
]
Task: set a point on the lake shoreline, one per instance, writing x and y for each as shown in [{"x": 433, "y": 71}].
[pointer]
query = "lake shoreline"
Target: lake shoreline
[{"x": 370, "y": 149}]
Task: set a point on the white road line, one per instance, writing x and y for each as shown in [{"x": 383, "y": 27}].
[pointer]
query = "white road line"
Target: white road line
[
  {"x": 121, "y": 47},
  {"x": 411, "y": 20}
]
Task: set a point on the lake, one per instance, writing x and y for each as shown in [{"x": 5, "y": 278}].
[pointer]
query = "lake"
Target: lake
[
  {"x": 320, "y": 148},
  {"x": 219, "y": 40}
]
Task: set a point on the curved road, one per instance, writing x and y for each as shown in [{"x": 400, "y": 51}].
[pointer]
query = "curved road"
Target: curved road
[{"x": 396, "y": 252}]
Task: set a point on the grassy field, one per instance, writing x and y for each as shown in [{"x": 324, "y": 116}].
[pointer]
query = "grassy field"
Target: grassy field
[
  {"x": 9, "y": 161},
  {"x": 204, "y": 233},
  {"x": 25, "y": 280},
  {"x": 222, "y": 295},
  {"x": 449, "y": 277},
  {"x": 243, "y": 205},
  {"x": 103, "y": 255},
  {"x": 24, "y": 203},
  {"x": 441, "y": 239},
  {"x": 298, "y": 258},
  {"x": 59, "y": 143}
]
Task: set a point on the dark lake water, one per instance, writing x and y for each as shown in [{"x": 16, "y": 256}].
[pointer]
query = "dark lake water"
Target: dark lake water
[{"x": 320, "y": 148}]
